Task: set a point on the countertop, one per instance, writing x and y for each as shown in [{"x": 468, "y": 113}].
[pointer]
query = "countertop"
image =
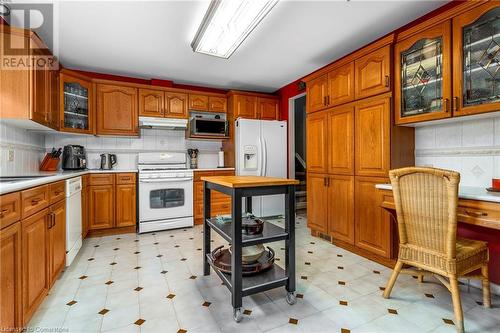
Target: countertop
[
  {"x": 249, "y": 181},
  {"x": 464, "y": 192},
  {"x": 213, "y": 169},
  {"x": 50, "y": 177}
]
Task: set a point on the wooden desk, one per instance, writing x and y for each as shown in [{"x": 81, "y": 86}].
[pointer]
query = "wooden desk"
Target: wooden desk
[{"x": 481, "y": 213}]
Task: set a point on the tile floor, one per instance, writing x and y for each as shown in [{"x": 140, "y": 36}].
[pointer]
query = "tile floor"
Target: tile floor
[{"x": 154, "y": 283}]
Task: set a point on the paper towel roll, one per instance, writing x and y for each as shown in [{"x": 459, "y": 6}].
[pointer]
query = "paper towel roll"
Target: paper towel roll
[{"x": 221, "y": 159}]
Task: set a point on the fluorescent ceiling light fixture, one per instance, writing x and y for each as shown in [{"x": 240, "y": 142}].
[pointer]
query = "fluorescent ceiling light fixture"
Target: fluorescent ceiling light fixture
[{"x": 227, "y": 23}]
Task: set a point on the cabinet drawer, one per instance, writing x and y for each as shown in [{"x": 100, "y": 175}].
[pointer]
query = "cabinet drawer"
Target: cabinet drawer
[
  {"x": 217, "y": 208},
  {"x": 102, "y": 179},
  {"x": 125, "y": 178},
  {"x": 486, "y": 214},
  {"x": 216, "y": 196},
  {"x": 85, "y": 181},
  {"x": 10, "y": 209},
  {"x": 57, "y": 191},
  {"x": 34, "y": 200}
]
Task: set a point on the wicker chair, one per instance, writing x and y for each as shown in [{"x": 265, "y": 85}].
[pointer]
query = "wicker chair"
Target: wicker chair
[{"x": 426, "y": 206}]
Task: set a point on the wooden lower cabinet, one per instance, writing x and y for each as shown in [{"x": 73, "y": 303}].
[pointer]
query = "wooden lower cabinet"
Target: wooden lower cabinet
[
  {"x": 330, "y": 205},
  {"x": 125, "y": 205},
  {"x": 10, "y": 282},
  {"x": 112, "y": 203},
  {"x": 35, "y": 262},
  {"x": 220, "y": 204},
  {"x": 341, "y": 207},
  {"x": 373, "y": 230},
  {"x": 317, "y": 202},
  {"x": 101, "y": 207},
  {"x": 57, "y": 239}
]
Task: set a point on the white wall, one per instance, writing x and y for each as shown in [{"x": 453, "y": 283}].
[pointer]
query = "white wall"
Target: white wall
[
  {"x": 28, "y": 150},
  {"x": 471, "y": 147},
  {"x": 127, "y": 149}
]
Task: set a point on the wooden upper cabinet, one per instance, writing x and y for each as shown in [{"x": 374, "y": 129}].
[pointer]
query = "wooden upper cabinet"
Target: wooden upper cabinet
[
  {"x": 317, "y": 134},
  {"x": 76, "y": 111},
  {"x": 475, "y": 60},
  {"x": 268, "y": 108},
  {"x": 340, "y": 133},
  {"x": 317, "y": 91},
  {"x": 245, "y": 107},
  {"x": 117, "y": 112},
  {"x": 341, "y": 207},
  {"x": 55, "y": 98},
  {"x": 217, "y": 104},
  {"x": 372, "y": 73},
  {"x": 198, "y": 102},
  {"x": 11, "y": 278},
  {"x": 341, "y": 85},
  {"x": 317, "y": 202},
  {"x": 176, "y": 105},
  {"x": 151, "y": 103},
  {"x": 40, "y": 111},
  {"x": 101, "y": 207},
  {"x": 372, "y": 222},
  {"x": 372, "y": 128},
  {"x": 423, "y": 75},
  {"x": 35, "y": 261}
]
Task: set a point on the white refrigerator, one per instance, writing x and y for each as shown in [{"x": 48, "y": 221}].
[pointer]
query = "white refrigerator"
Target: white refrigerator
[{"x": 261, "y": 150}]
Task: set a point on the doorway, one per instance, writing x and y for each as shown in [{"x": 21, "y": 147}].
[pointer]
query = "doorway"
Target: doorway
[{"x": 297, "y": 157}]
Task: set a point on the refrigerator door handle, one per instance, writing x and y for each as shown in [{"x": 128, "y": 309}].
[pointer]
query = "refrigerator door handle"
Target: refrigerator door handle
[
  {"x": 261, "y": 156},
  {"x": 264, "y": 168}
]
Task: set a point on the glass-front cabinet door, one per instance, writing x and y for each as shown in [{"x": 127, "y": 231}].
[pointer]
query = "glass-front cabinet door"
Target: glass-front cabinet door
[
  {"x": 76, "y": 104},
  {"x": 476, "y": 64},
  {"x": 423, "y": 80}
]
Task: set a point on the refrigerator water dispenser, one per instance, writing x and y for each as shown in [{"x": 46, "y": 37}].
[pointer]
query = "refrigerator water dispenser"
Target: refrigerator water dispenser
[{"x": 250, "y": 157}]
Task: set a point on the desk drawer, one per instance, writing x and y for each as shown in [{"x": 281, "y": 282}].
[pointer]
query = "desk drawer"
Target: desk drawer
[
  {"x": 486, "y": 214},
  {"x": 10, "y": 209},
  {"x": 57, "y": 191},
  {"x": 102, "y": 179},
  {"x": 125, "y": 178},
  {"x": 34, "y": 200}
]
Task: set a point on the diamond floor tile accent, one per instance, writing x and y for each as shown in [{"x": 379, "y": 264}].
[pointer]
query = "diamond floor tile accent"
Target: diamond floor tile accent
[
  {"x": 429, "y": 295},
  {"x": 71, "y": 303},
  {"x": 293, "y": 321},
  {"x": 139, "y": 322},
  {"x": 182, "y": 331},
  {"x": 328, "y": 299},
  {"x": 103, "y": 312},
  {"x": 392, "y": 311}
]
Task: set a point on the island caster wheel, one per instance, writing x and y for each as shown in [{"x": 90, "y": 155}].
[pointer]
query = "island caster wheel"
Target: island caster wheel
[
  {"x": 237, "y": 314},
  {"x": 291, "y": 298}
]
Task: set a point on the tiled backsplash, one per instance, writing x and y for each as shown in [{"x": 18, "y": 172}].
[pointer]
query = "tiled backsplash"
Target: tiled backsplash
[
  {"x": 127, "y": 149},
  {"x": 471, "y": 147},
  {"x": 28, "y": 148}
]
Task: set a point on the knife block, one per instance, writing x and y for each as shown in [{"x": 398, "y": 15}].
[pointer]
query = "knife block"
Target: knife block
[{"x": 49, "y": 163}]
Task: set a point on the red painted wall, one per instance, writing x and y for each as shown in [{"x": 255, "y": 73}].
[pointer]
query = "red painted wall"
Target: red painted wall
[{"x": 464, "y": 230}]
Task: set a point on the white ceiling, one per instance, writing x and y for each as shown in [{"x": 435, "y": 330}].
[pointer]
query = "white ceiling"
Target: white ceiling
[{"x": 151, "y": 39}]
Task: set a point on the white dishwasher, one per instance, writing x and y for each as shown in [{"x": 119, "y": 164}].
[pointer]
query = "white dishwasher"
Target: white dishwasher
[{"x": 73, "y": 218}]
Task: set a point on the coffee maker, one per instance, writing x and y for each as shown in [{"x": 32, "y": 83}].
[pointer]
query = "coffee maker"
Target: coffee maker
[{"x": 74, "y": 158}]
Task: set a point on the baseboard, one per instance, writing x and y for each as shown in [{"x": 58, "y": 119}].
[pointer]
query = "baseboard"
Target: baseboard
[{"x": 111, "y": 231}]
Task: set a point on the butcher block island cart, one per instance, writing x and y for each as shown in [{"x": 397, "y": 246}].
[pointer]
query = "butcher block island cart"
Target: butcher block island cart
[{"x": 239, "y": 282}]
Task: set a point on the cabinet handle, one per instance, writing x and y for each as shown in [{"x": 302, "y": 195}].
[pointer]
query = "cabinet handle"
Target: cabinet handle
[
  {"x": 49, "y": 221},
  {"x": 35, "y": 201},
  {"x": 3, "y": 211},
  {"x": 328, "y": 100},
  {"x": 324, "y": 181},
  {"x": 387, "y": 80},
  {"x": 445, "y": 104},
  {"x": 476, "y": 214},
  {"x": 324, "y": 100},
  {"x": 455, "y": 104}
]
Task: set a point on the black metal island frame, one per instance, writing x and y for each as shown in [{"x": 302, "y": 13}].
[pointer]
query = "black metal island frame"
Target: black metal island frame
[{"x": 239, "y": 187}]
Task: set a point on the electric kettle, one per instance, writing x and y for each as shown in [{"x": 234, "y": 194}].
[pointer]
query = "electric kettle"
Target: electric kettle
[{"x": 108, "y": 161}]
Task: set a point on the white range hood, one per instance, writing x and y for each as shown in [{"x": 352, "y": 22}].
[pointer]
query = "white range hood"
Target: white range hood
[{"x": 163, "y": 123}]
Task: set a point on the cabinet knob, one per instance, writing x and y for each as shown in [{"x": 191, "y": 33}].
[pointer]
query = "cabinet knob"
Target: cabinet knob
[
  {"x": 445, "y": 104},
  {"x": 387, "y": 80},
  {"x": 455, "y": 103}
]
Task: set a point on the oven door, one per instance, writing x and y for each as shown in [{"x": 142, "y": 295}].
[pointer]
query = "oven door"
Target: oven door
[{"x": 165, "y": 198}]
